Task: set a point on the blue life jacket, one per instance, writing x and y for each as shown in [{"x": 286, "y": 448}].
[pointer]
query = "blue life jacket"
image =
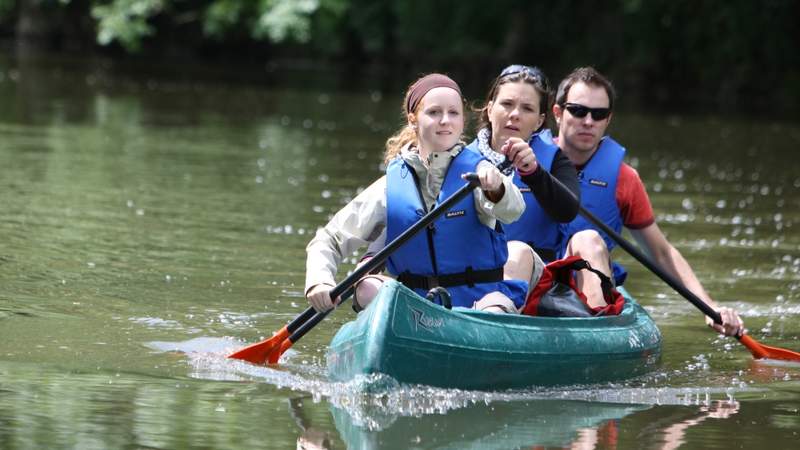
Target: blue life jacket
[
  {"x": 535, "y": 227},
  {"x": 457, "y": 251},
  {"x": 598, "y": 182}
]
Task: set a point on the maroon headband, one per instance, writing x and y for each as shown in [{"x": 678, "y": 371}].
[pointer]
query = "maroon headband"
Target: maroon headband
[{"x": 425, "y": 84}]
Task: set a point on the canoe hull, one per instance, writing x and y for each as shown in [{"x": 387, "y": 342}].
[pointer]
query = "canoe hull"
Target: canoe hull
[{"x": 417, "y": 342}]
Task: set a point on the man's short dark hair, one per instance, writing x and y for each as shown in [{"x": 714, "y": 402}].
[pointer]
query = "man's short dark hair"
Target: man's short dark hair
[{"x": 591, "y": 77}]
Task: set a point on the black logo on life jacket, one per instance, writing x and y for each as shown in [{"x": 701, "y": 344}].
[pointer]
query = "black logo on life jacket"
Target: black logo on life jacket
[
  {"x": 452, "y": 214},
  {"x": 600, "y": 183}
]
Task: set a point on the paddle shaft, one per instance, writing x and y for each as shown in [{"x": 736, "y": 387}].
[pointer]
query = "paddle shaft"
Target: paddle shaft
[
  {"x": 309, "y": 312},
  {"x": 380, "y": 257},
  {"x": 673, "y": 282}
]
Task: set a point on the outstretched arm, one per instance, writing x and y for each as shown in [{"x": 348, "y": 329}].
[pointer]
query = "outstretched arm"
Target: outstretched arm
[
  {"x": 556, "y": 201},
  {"x": 652, "y": 239}
]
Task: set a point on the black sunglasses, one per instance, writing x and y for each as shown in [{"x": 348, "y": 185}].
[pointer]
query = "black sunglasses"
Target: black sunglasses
[{"x": 580, "y": 111}]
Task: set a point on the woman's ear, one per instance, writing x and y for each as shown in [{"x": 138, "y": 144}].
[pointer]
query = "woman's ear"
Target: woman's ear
[
  {"x": 488, "y": 112},
  {"x": 540, "y": 122},
  {"x": 412, "y": 120}
]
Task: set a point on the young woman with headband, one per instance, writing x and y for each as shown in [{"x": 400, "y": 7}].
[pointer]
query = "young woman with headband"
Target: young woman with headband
[{"x": 425, "y": 160}]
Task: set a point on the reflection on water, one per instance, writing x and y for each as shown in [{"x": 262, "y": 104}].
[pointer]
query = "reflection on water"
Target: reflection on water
[
  {"x": 312, "y": 438},
  {"x": 45, "y": 406},
  {"x": 149, "y": 226},
  {"x": 515, "y": 424},
  {"x": 502, "y": 425}
]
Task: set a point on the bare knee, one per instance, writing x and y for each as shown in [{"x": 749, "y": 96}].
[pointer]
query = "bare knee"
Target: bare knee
[
  {"x": 520, "y": 261},
  {"x": 520, "y": 251},
  {"x": 587, "y": 244},
  {"x": 496, "y": 302},
  {"x": 523, "y": 264},
  {"x": 366, "y": 290}
]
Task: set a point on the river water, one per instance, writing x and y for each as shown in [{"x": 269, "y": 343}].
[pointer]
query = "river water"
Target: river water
[{"x": 149, "y": 225}]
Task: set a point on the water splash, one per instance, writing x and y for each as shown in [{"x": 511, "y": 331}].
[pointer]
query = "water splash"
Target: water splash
[{"x": 376, "y": 401}]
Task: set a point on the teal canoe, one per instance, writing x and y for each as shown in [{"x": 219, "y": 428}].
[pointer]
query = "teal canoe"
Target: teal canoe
[{"x": 415, "y": 341}]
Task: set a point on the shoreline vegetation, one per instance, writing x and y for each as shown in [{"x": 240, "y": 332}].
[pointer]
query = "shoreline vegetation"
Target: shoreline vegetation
[{"x": 665, "y": 56}]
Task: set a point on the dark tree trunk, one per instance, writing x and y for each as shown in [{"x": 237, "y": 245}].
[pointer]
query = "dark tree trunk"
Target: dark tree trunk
[{"x": 33, "y": 28}]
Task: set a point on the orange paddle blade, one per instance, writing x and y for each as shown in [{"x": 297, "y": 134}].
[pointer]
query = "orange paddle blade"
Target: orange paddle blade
[
  {"x": 761, "y": 351},
  {"x": 261, "y": 352},
  {"x": 276, "y": 355}
]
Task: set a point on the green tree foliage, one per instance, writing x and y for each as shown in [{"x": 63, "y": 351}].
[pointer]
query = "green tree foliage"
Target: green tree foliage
[
  {"x": 700, "y": 48},
  {"x": 6, "y": 6},
  {"x": 125, "y": 21},
  {"x": 128, "y": 21},
  {"x": 274, "y": 20}
]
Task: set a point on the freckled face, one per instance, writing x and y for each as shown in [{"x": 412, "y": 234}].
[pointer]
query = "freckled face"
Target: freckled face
[
  {"x": 439, "y": 120},
  {"x": 514, "y": 112}
]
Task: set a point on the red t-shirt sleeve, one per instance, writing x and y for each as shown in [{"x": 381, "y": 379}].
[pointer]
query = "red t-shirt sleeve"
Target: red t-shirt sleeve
[{"x": 632, "y": 199}]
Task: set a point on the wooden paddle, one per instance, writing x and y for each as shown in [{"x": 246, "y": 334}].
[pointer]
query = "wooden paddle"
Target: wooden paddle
[
  {"x": 759, "y": 351},
  {"x": 270, "y": 350}
]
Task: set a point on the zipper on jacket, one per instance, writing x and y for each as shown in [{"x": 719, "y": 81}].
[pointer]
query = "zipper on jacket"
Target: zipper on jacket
[{"x": 430, "y": 229}]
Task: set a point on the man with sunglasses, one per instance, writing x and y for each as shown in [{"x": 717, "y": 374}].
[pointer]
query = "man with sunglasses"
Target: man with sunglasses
[{"x": 613, "y": 191}]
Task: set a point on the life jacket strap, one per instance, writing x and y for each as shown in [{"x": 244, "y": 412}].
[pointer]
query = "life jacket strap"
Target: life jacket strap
[
  {"x": 605, "y": 282},
  {"x": 469, "y": 277}
]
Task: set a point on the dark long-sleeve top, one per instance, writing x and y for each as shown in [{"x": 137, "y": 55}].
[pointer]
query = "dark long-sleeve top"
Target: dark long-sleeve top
[{"x": 557, "y": 202}]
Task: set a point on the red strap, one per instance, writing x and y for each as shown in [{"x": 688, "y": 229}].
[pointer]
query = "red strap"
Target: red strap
[{"x": 561, "y": 271}]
